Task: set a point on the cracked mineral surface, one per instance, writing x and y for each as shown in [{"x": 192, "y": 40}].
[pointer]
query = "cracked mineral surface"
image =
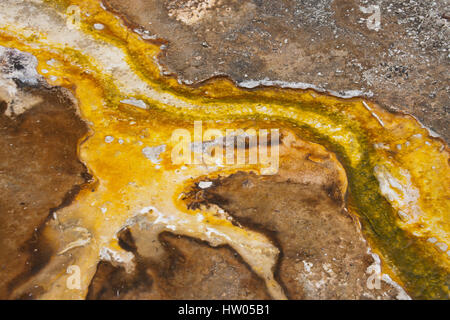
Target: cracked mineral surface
[{"x": 222, "y": 149}]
